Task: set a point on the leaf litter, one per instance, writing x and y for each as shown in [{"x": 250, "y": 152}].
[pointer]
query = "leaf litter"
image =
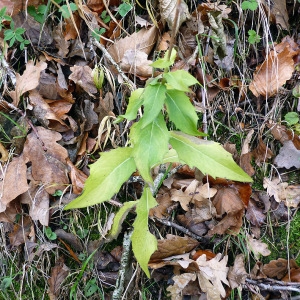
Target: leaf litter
[{"x": 56, "y": 96}]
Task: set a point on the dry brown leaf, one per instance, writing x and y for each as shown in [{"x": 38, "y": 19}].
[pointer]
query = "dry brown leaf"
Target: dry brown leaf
[
  {"x": 136, "y": 62},
  {"x": 180, "y": 282},
  {"x": 3, "y": 153},
  {"x": 273, "y": 73},
  {"x": 78, "y": 178},
  {"x": 44, "y": 113},
  {"x": 58, "y": 274},
  {"x": 254, "y": 214},
  {"x": 292, "y": 196},
  {"x": 257, "y": 247},
  {"x": 237, "y": 274},
  {"x": 262, "y": 153},
  {"x": 143, "y": 40},
  {"x": 215, "y": 272},
  {"x": 14, "y": 181},
  {"x": 288, "y": 156},
  {"x": 293, "y": 276},
  {"x": 70, "y": 32},
  {"x": 82, "y": 76},
  {"x": 28, "y": 81},
  {"x": 168, "y": 12},
  {"x": 275, "y": 188},
  {"x": 47, "y": 86},
  {"x": 70, "y": 238},
  {"x": 278, "y": 268},
  {"x": 278, "y": 9},
  {"x": 21, "y": 232},
  {"x": 161, "y": 210},
  {"x": 48, "y": 166},
  {"x": 173, "y": 245},
  {"x": 257, "y": 271}
]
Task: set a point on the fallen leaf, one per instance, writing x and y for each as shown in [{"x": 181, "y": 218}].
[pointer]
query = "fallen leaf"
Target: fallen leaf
[
  {"x": 3, "y": 154},
  {"x": 275, "y": 188},
  {"x": 237, "y": 274},
  {"x": 21, "y": 231},
  {"x": 14, "y": 181},
  {"x": 28, "y": 81},
  {"x": 257, "y": 247},
  {"x": 288, "y": 157},
  {"x": 292, "y": 196},
  {"x": 273, "y": 73},
  {"x": 58, "y": 274},
  {"x": 215, "y": 272},
  {"x": 278, "y": 268},
  {"x": 254, "y": 214},
  {"x": 293, "y": 276},
  {"x": 262, "y": 153},
  {"x": 278, "y": 9},
  {"x": 48, "y": 166},
  {"x": 180, "y": 282},
  {"x": 78, "y": 178},
  {"x": 173, "y": 245},
  {"x": 161, "y": 210},
  {"x": 82, "y": 76}
]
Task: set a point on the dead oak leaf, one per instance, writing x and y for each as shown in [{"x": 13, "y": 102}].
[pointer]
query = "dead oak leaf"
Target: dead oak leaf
[
  {"x": 257, "y": 247},
  {"x": 180, "y": 282},
  {"x": 275, "y": 188},
  {"x": 278, "y": 268},
  {"x": 28, "y": 81},
  {"x": 288, "y": 156},
  {"x": 237, "y": 274},
  {"x": 214, "y": 271},
  {"x": 48, "y": 166}
]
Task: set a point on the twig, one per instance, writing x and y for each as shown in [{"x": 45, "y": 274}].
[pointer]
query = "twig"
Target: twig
[
  {"x": 272, "y": 285},
  {"x": 117, "y": 294},
  {"x": 108, "y": 56},
  {"x": 182, "y": 229}
]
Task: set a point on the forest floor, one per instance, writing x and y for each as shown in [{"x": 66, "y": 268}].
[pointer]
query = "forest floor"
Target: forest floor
[{"x": 68, "y": 70}]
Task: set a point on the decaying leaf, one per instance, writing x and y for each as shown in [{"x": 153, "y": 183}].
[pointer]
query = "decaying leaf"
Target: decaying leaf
[
  {"x": 48, "y": 159},
  {"x": 58, "y": 274},
  {"x": 180, "y": 282},
  {"x": 273, "y": 72},
  {"x": 237, "y": 274},
  {"x": 288, "y": 157},
  {"x": 21, "y": 231},
  {"x": 257, "y": 247},
  {"x": 275, "y": 188},
  {"x": 213, "y": 272},
  {"x": 278, "y": 268},
  {"x": 254, "y": 214},
  {"x": 173, "y": 245},
  {"x": 28, "y": 81}
]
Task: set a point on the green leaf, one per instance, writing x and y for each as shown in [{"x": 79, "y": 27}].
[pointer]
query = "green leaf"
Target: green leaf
[
  {"x": 50, "y": 234},
  {"x": 106, "y": 177},
  {"x": 124, "y": 9},
  {"x": 135, "y": 102},
  {"x": 2, "y": 12},
  {"x": 171, "y": 157},
  {"x": 253, "y": 37},
  {"x": 119, "y": 218},
  {"x": 8, "y": 34},
  {"x": 143, "y": 242},
  {"x": 250, "y": 4},
  {"x": 154, "y": 98},
  {"x": 42, "y": 9},
  {"x": 292, "y": 118},
  {"x": 209, "y": 157},
  {"x": 12, "y": 41},
  {"x": 150, "y": 144},
  {"x": 180, "y": 80},
  {"x": 65, "y": 10},
  {"x": 164, "y": 62},
  {"x": 181, "y": 112},
  {"x": 19, "y": 31}
]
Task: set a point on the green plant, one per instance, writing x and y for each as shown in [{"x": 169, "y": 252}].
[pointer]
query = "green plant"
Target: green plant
[
  {"x": 249, "y": 4},
  {"x": 292, "y": 118},
  {"x": 124, "y": 9},
  {"x": 3, "y": 18},
  {"x": 105, "y": 17},
  {"x": 164, "y": 97},
  {"x": 37, "y": 13},
  {"x": 15, "y": 34},
  {"x": 253, "y": 37},
  {"x": 50, "y": 234}
]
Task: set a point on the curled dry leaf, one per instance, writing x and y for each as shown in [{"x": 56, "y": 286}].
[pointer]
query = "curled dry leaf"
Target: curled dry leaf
[
  {"x": 273, "y": 72},
  {"x": 161, "y": 210},
  {"x": 78, "y": 178},
  {"x": 168, "y": 11},
  {"x": 28, "y": 81},
  {"x": 173, "y": 245},
  {"x": 293, "y": 276},
  {"x": 275, "y": 188},
  {"x": 21, "y": 231},
  {"x": 237, "y": 274},
  {"x": 3, "y": 153},
  {"x": 254, "y": 214}
]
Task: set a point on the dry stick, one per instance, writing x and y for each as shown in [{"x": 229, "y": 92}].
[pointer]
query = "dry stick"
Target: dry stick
[
  {"x": 108, "y": 56},
  {"x": 117, "y": 294},
  {"x": 274, "y": 285}
]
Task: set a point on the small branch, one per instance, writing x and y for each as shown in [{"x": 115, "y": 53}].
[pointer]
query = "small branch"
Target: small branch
[
  {"x": 272, "y": 285},
  {"x": 118, "y": 292},
  {"x": 182, "y": 229},
  {"x": 109, "y": 57}
]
